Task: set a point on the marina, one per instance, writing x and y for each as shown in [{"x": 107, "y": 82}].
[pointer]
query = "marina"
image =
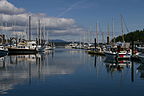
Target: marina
[{"x": 71, "y": 48}]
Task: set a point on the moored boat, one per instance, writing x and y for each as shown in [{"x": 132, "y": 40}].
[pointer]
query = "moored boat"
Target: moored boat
[
  {"x": 28, "y": 47},
  {"x": 118, "y": 52},
  {"x": 118, "y": 55}
]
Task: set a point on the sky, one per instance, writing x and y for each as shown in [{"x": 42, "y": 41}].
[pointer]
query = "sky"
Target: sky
[{"x": 72, "y": 19}]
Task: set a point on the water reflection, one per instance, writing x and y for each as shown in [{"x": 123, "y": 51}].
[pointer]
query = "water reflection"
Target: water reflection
[
  {"x": 141, "y": 70},
  {"x": 77, "y": 69},
  {"x": 16, "y": 69},
  {"x": 117, "y": 65}
]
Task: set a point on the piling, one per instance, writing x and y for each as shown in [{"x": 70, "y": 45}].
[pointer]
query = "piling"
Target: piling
[
  {"x": 132, "y": 47},
  {"x": 108, "y": 41},
  {"x": 95, "y": 42}
]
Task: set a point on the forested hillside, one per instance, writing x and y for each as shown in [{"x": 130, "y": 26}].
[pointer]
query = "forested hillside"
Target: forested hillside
[{"x": 137, "y": 35}]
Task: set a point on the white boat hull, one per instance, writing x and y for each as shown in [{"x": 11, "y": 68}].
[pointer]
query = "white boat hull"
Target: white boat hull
[{"x": 115, "y": 55}]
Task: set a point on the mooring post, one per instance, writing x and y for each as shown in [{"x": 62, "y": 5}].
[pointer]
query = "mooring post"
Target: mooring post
[
  {"x": 95, "y": 43},
  {"x": 132, "y": 47}
]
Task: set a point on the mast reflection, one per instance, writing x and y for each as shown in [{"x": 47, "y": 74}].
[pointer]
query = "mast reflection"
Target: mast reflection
[{"x": 17, "y": 69}]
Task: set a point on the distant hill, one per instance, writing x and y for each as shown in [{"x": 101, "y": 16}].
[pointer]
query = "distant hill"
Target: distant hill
[
  {"x": 57, "y": 40},
  {"x": 137, "y": 35}
]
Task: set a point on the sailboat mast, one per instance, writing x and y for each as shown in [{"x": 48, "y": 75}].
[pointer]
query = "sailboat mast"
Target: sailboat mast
[
  {"x": 29, "y": 28},
  {"x": 39, "y": 32},
  {"x": 113, "y": 29},
  {"x": 108, "y": 37},
  {"x": 122, "y": 27},
  {"x": 97, "y": 29},
  {"x": 102, "y": 37}
]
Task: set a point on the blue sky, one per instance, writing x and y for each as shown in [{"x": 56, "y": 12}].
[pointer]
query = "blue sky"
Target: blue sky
[{"x": 86, "y": 13}]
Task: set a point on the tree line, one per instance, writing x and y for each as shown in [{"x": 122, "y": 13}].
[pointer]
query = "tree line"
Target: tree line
[{"x": 137, "y": 35}]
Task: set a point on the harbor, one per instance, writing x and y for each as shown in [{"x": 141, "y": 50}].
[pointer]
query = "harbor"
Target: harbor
[{"x": 71, "y": 48}]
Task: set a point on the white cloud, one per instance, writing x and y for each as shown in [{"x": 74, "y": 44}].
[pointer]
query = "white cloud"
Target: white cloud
[
  {"x": 19, "y": 33},
  {"x": 16, "y": 19},
  {"x": 8, "y": 8}
]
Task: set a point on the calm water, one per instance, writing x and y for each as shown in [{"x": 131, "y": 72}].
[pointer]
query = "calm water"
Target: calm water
[{"x": 66, "y": 72}]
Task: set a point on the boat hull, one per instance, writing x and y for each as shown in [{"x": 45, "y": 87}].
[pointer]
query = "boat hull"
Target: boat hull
[
  {"x": 3, "y": 53},
  {"x": 21, "y": 51},
  {"x": 114, "y": 56}
]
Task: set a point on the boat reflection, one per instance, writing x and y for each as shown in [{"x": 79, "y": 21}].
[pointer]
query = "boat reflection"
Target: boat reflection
[
  {"x": 112, "y": 66},
  {"x": 141, "y": 70},
  {"x": 2, "y": 63},
  {"x": 17, "y": 69}
]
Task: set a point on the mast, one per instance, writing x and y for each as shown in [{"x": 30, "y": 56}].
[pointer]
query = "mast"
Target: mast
[
  {"x": 97, "y": 29},
  {"x": 108, "y": 37},
  {"x": 122, "y": 27},
  {"x": 43, "y": 34},
  {"x": 90, "y": 36},
  {"x": 29, "y": 28},
  {"x": 39, "y": 32},
  {"x": 102, "y": 37},
  {"x": 113, "y": 34}
]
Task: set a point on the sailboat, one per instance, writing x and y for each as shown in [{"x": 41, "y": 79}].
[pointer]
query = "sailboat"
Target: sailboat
[
  {"x": 121, "y": 50},
  {"x": 3, "y": 49},
  {"x": 41, "y": 42},
  {"x": 118, "y": 52},
  {"x": 24, "y": 47}
]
